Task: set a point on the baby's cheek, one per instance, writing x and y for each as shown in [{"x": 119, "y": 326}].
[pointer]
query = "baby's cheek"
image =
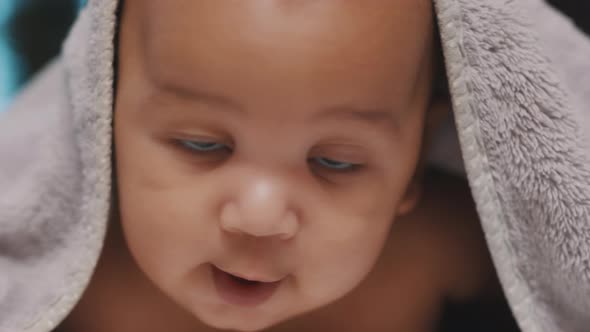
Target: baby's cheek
[
  {"x": 164, "y": 238},
  {"x": 340, "y": 257}
]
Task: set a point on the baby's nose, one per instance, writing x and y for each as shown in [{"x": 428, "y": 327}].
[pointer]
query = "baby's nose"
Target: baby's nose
[{"x": 261, "y": 210}]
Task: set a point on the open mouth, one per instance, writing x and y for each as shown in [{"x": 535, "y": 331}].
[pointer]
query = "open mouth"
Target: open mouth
[
  {"x": 244, "y": 282},
  {"x": 242, "y": 292}
]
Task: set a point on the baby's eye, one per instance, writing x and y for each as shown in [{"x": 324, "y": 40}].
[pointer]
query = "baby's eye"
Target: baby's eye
[
  {"x": 203, "y": 147},
  {"x": 212, "y": 147},
  {"x": 335, "y": 164}
]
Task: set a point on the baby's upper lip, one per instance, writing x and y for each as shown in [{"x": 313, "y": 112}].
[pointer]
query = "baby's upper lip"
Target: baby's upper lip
[{"x": 251, "y": 275}]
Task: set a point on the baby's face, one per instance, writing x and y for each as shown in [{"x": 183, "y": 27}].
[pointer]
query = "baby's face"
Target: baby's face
[{"x": 273, "y": 140}]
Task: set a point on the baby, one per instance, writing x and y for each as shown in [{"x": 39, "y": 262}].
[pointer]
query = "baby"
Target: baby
[{"x": 270, "y": 173}]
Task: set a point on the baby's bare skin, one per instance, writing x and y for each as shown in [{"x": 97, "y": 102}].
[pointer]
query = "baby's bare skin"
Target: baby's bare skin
[
  {"x": 280, "y": 140},
  {"x": 434, "y": 254}
]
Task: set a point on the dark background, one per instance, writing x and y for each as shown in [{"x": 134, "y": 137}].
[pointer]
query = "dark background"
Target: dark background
[
  {"x": 578, "y": 10},
  {"x": 35, "y": 32}
]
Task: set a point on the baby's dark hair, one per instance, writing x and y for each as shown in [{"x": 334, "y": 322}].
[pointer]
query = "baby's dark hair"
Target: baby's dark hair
[
  {"x": 440, "y": 84},
  {"x": 118, "y": 15}
]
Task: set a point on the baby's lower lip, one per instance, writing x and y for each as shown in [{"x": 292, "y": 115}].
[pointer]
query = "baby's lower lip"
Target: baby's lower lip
[{"x": 241, "y": 292}]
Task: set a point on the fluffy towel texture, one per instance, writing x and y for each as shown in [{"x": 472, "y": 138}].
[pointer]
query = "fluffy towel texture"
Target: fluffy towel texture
[{"x": 520, "y": 82}]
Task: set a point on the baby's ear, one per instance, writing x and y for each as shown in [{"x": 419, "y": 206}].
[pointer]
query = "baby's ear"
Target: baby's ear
[
  {"x": 439, "y": 110},
  {"x": 411, "y": 196}
]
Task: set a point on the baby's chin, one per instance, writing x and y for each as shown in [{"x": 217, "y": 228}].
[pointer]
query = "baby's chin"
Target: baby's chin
[
  {"x": 277, "y": 313},
  {"x": 218, "y": 314},
  {"x": 244, "y": 322}
]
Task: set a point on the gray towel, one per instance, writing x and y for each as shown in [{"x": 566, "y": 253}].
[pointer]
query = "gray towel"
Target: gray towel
[{"x": 519, "y": 77}]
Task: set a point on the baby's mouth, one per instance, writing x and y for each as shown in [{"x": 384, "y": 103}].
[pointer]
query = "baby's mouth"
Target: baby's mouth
[{"x": 241, "y": 291}]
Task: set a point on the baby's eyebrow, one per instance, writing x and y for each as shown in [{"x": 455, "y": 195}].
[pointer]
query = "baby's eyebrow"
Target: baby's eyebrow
[
  {"x": 375, "y": 117},
  {"x": 370, "y": 116},
  {"x": 227, "y": 104}
]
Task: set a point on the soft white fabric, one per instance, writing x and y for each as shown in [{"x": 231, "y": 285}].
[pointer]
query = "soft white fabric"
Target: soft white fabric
[{"x": 520, "y": 83}]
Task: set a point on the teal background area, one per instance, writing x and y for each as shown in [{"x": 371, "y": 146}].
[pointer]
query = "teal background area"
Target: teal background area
[
  {"x": 7, "y": 66},
  {"x": 31, "y": 32}
]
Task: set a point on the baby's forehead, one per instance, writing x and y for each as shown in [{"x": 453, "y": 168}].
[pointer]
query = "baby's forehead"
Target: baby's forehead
[
  {"x": 328, "y": 30},
  {"x": 330, "y": 19},
  {"x": 320, "y": 53}
]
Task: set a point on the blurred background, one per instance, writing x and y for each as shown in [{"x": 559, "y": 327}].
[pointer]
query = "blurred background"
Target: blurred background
[{"x": 31, "y": 33}]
